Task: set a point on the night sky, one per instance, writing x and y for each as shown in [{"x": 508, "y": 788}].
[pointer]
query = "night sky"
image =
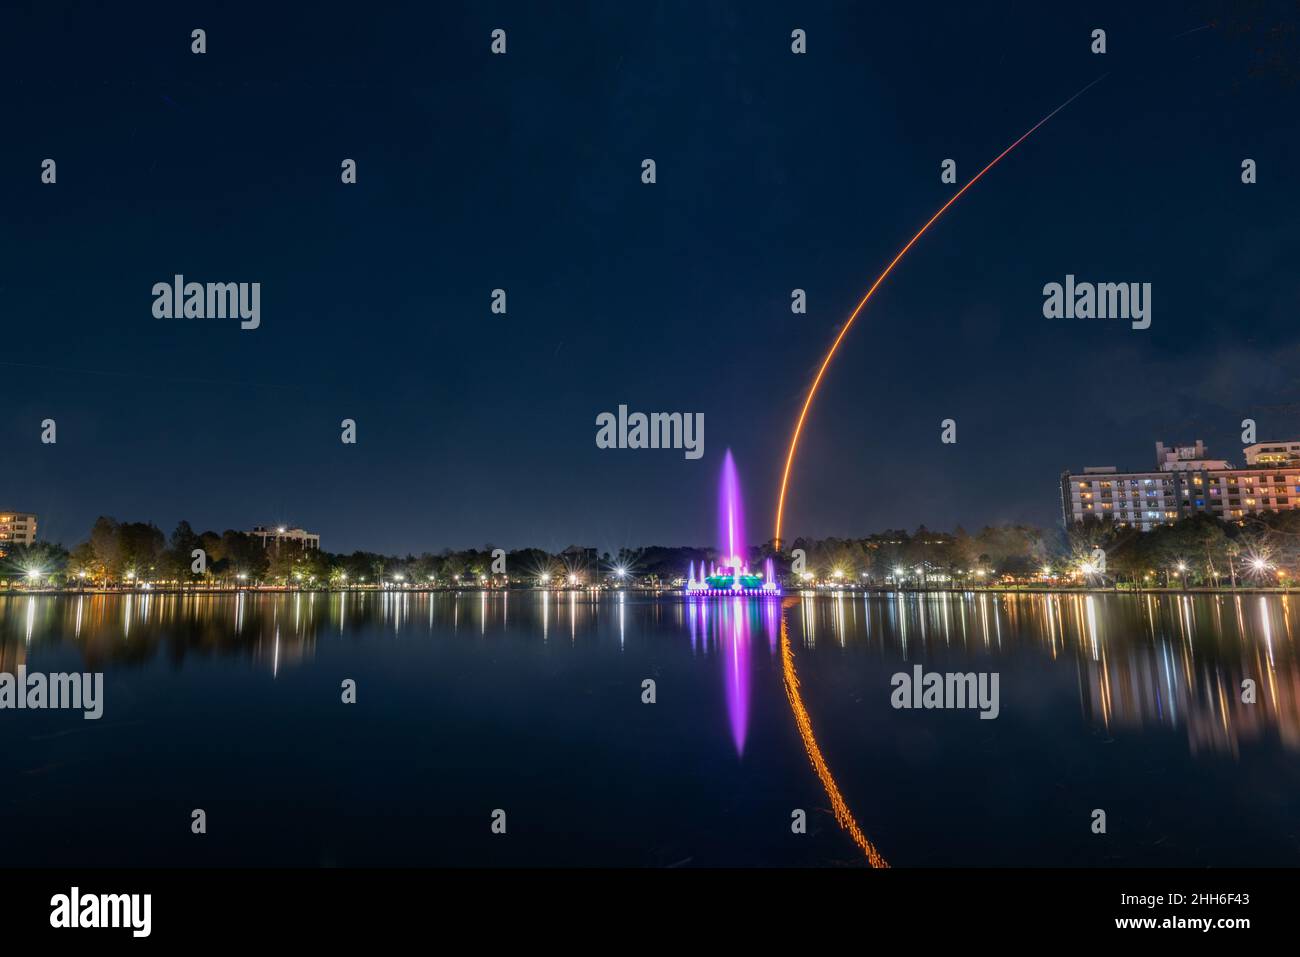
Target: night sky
[{"x": 522, "y": 171}]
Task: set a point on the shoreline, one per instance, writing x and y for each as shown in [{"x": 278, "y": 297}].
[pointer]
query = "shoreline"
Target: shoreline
[{"x": 657, "y": 592}]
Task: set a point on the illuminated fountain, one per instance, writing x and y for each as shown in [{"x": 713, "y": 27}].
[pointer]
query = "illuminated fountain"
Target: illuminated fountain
[{"x": 732, "y": 575}]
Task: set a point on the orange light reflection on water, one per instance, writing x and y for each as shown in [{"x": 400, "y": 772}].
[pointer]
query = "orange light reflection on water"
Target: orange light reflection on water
[{"x": 843, "y": 816}]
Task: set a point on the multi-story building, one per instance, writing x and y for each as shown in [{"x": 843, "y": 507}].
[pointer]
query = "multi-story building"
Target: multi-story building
[
  {"x": 1184, "y": 483},
  {"x": 1187, "y": 458},
  {"x": 279, "y": 534},
  {"x": 1266, "y": 454},
  {"x": 16, "y": 528}
]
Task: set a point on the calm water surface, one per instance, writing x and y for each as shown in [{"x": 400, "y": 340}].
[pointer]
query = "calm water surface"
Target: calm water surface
[{"x": 531, "y": 703}]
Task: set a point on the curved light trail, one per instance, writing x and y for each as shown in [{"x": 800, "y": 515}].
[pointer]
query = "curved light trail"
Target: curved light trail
[
  {"x": 821, "y": 372},
  {"x": 843, "y": 816}
]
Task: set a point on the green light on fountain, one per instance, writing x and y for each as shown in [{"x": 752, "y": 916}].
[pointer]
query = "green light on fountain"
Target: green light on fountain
[{"x": 727, "y": 581}]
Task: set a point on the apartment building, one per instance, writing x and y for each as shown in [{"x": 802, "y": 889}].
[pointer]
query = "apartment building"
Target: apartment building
[
  {"x": 16, "y": 528},
  {"x": 1185, "y": 482},
  {"x": 1265, "y": 454}
]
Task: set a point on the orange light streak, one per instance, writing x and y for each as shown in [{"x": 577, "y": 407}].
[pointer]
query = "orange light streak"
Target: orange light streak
[
  {"x": 821, "y": 372},
  {"x": 843, "y": 816}
]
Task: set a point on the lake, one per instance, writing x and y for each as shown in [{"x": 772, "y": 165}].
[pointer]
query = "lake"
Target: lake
[{"x": 531, "y": 704}]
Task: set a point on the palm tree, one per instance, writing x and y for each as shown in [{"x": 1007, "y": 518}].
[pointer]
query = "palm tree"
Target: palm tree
[{"x": 1233, "y": 551}]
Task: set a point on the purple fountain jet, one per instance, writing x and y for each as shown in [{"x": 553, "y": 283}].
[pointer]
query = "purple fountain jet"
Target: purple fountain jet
[{"x": 732, "y": 577}]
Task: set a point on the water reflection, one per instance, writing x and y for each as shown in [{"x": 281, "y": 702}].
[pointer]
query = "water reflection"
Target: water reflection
[
  {"x": 1141, "y": 661},
  {"x": 839, "y": 807},
  {"x": 729, "y": 625},
  {"x": 1171, "y": 662}
]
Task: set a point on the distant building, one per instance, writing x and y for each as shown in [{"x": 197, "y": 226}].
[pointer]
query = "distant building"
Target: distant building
[
  {"x": 1187, "y": 458},
  {"x": 580, "y": 558},
  {"x": 279, "y": 534},
  {"x": 1265, "y": 454},
  {"x": 1186, "y": 482},
  {"x": 16, "y": 528}
]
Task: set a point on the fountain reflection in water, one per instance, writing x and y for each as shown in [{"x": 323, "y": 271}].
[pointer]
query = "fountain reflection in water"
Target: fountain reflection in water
[{"x": 728, "y": 628}]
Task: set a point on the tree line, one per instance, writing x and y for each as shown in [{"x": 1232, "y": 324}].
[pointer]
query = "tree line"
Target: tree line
[
  {"x": 1200, "y": 550},
  {"x": 120, "y": 552}
]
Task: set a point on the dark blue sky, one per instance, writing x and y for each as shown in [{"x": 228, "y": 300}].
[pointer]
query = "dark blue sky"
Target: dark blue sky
[{"x": 775, "y": 171}]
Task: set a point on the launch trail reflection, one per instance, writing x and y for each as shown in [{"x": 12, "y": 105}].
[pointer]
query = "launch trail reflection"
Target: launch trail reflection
[{"x": 843, "y": 816}]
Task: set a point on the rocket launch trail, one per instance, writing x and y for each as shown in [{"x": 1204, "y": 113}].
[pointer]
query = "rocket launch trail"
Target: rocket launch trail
[{"x": 821, "y": 371}]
